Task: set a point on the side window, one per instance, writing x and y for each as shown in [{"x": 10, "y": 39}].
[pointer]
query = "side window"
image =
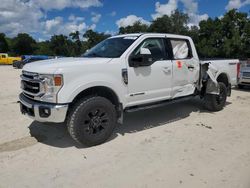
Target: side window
[
  {"x": 3, "y": 56},
  {"x": 181, "y": 49},
  {"x": 156, "y": 46}
]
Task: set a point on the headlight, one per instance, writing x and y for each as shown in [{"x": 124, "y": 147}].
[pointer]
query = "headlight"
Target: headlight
[{"x": 52, "y": 84}]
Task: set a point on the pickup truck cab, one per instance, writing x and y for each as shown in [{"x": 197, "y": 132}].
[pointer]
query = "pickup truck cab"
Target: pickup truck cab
[
  {"x": 123, "y": 73},
  {"x": 7, "y": 60}
]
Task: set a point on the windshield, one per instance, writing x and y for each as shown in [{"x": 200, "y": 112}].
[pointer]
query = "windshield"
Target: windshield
[{"x": 110, "y": 48}]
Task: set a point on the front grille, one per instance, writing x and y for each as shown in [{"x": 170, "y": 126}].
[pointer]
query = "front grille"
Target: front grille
[
  {"x": 30, "y": 84},
  {"x": 29, "y": 76},
  {"x": 246, "y": 74},
  {"x": 31, "y": 87}
]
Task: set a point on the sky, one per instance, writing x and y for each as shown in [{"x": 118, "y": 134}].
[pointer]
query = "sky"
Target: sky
[{"x": 44, "y": 18}]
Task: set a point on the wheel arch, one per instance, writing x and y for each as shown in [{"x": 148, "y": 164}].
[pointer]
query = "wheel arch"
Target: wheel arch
[
  {"x": 224, "y": 78},
  {"x": 102, "y": 91},
  {"x": 211, "y": 84}
]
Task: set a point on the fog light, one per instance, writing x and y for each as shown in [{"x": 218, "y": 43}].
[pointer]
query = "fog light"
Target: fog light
[{"x": 44, "y": 112}]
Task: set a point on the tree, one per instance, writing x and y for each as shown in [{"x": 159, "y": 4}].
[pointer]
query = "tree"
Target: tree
[
  {"x": 210, "y": 38},
  {"x": 60, "y": 45},
  {"x": 246, "y": 39},
  {"x": 193, "y": 32},
  {"x": 43, "y": 48},
  {"x": 228, "y": 36},
  {"x": 137, "y": 27},
  {"x": 234, "y": 32},
  {"x": 75, "y": 36},
  {"x": 24, "y": 44},
  {"x": 4, "y": 47},
  {"x": 93, "y": 38},
  {"x": 176, "y": 23}
]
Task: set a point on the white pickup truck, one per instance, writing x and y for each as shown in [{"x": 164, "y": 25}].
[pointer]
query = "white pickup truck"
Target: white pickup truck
[{"x": 123, "y": 73}]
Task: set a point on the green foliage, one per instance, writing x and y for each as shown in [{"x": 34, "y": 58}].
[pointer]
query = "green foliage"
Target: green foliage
[
  {"x": 234, "y": 32},
  {"x": 60, "y": 45},
  {"x": 176, "y": 23},
  {"x": 137, "y": 27},
  {"x": 210, "y": 38},
  {"x": 24, "y": 44},
  {"x": 93, "y": 38},
  {"x": 44, "y": 49},
  {"x": 226, "y": 37},
  {"x": 77, "y": 45},
  {"x": 4, "y": 47}
]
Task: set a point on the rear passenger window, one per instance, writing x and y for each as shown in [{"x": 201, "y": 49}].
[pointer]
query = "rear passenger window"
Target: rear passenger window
[{"x": 181, "y": 49}]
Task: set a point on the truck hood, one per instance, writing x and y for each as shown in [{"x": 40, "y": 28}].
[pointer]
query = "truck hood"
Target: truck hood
[{"x": 57, "y": 66}]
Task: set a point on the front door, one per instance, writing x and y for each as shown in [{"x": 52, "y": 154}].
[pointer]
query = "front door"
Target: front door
[{"x": 150, "y": 83}]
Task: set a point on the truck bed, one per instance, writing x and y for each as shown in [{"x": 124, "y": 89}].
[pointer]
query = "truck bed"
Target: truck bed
[{"x": 225, "y": 65}]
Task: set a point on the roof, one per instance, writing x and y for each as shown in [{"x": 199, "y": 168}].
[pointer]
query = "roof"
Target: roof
[{"x": 151, "y": 34}]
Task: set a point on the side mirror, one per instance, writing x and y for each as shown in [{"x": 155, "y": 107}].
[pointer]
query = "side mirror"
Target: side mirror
[{"x": 141, "y": 60}]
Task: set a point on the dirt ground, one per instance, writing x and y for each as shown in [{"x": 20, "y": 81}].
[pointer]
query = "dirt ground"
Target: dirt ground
[{"x": 180, "y": 145}]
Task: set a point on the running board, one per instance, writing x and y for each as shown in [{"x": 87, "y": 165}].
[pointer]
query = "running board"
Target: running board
[{"x": 158, "y": 104}]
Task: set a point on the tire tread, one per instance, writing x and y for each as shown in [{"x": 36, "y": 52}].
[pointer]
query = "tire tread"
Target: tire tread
[{"x": 72, "y": 116}]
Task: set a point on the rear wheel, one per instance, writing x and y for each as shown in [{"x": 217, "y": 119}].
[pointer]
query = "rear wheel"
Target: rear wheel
[
  {"x": 92, "y": 121},
  {"x": 216, "y": 102}
]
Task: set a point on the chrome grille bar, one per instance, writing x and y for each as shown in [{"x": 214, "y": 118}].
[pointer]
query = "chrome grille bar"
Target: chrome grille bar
[{"x": 32, "y": 85}]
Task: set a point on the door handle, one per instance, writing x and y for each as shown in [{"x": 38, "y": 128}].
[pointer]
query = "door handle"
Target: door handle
[
  {"x": 167, "y": 70},
  {"x": 190, "y": 67}
]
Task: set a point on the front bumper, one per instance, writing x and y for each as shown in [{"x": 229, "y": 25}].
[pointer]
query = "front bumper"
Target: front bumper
[{"x": 43, "y": 112}]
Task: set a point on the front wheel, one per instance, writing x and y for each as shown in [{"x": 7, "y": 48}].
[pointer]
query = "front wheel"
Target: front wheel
[
  {"x": 92, "y": 120},
  {"x": 216, "y": 102}
]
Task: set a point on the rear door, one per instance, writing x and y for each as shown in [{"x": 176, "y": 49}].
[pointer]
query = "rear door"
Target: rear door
[{"x": 185, "y": 68}]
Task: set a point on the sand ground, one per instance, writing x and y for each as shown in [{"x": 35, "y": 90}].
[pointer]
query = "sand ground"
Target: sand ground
[{"x": 180, "y": 145}]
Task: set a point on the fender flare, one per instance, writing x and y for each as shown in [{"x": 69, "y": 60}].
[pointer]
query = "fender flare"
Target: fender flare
[{"x": 211, "y": 79}]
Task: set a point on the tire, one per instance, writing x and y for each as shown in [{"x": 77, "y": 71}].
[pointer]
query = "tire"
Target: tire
[
  {"x": 92, "y": 121},
  {"x": 240, "y": 86},
  {"x": 216, "y": 102},
  {"x": 20, "y": 65}
]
